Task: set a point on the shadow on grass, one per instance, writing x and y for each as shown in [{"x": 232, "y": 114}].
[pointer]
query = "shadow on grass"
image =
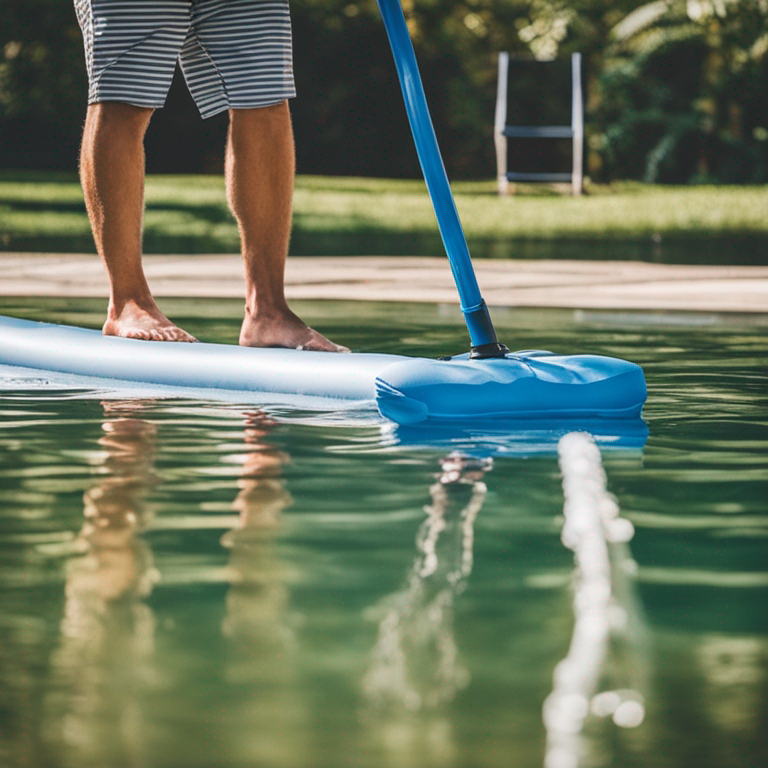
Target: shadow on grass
[
  {"x": 213, "y": 214},
  {"x": 743, "y": 250},
  {"x": 156, "y": 240},
  {"x": 46, "y": 206},
  {"x": 38, "y": 177}
]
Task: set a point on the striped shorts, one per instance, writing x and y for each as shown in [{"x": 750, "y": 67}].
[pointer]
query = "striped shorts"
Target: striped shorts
[{"x": 235, "y": 54}]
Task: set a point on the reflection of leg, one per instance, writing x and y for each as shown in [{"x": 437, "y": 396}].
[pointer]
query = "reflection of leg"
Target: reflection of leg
[
  {"x": 107, "y": 631},
  {"x": 261, "y": 645},
  {"x": 258, "y": 599},
  {"x": 260, "y": 172},
  {"x": 112, "y": 174},
  {"x": 115, "y": 510}
]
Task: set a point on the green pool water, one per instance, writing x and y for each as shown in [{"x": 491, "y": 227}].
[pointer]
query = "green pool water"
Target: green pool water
[{"x": 190, "y": 583}]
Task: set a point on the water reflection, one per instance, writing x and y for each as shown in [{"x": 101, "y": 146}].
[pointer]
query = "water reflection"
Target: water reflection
[
  {"x": 97, "y": 711},
  {"x": 605, "y": 670},
  {"x": 520, "y": 438},
  {"x": 104, "y": 659},
  {"x": 415, "y": 664},
  {"x": 736, "y": 672},
  {"x": 259, "y": 628},
  {"x": 255, "y": 653}
]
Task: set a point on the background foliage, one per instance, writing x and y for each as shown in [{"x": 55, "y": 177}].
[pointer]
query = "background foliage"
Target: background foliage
[{"x": 677, "y": 89}]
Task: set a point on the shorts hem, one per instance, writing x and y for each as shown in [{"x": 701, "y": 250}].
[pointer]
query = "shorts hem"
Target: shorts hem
[
  {"x": 133, "y": 102},
  {"x": 218, "y": 109}
]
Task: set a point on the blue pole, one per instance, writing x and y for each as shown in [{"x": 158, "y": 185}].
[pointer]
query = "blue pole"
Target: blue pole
[{"x": 476, "y": 316}]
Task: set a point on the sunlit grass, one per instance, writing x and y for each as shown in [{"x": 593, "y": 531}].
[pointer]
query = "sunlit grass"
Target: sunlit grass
[{"x": 189, "y": 213}]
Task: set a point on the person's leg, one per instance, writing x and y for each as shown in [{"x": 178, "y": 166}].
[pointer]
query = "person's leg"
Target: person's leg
[
  {"x": 260, "y": 168},
  {"x": 112, "y": 175}
]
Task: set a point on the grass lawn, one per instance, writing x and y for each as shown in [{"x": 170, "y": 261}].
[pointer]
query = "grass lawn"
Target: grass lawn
[{"x": 340, "y": 216}]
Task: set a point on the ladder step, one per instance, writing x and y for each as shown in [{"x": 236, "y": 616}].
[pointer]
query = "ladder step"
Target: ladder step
[
  {"x": 538, "y": 132},
  {"x": 551, "y": 177}
]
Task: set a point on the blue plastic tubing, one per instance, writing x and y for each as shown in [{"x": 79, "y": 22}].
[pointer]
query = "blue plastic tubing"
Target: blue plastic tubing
[{"x": 472, "y": 304}]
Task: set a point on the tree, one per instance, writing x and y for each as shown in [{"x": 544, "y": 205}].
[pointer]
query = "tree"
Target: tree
[
  {"x": 42, "y": 82},
  {"x": 676, "y": 89},
  {"x": 349, "y": 105},
  {"x": 685, "y": 85}
]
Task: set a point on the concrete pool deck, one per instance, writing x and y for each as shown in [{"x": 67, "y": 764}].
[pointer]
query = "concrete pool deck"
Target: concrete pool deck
[{"x": 603, "y": 285}]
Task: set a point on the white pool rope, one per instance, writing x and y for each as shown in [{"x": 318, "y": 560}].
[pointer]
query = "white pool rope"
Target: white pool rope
[{"x": 602, "y": 607}]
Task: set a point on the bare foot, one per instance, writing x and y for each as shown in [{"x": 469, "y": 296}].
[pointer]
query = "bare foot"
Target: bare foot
[
  {"x": 285, "y": 330},
  {"x": 148, "y": 324}
]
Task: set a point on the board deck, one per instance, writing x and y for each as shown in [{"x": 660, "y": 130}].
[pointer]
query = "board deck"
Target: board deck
[{"x": 530, "y": 384}]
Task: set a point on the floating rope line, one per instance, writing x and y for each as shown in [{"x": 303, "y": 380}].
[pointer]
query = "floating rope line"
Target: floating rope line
[{"x": 603, "y": 608}]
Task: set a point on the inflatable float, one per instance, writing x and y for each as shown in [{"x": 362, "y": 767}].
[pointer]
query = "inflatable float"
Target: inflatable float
[
  {"x": 488, "y": 383},
  {"x": 407, "y": 390}
]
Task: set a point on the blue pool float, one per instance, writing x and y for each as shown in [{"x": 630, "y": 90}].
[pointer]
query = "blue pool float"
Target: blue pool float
[{"x": 407, "y": 390}]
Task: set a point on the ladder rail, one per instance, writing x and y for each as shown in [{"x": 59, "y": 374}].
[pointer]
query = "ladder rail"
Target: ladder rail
[{"x": 575, "y": 131}]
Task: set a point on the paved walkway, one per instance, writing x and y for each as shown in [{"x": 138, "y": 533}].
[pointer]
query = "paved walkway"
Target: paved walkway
[{"x": 572, "y": 284}]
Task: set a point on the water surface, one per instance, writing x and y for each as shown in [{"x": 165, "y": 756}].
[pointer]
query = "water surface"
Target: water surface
[{"x": 196, "y": 583}]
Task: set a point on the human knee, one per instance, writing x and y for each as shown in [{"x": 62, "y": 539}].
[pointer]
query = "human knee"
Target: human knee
[
  {"x": 117, "y": 117},
  {"x": 273, "y": 114}
]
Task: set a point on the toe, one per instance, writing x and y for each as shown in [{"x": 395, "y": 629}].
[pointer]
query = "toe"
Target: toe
[
  {"x": 171, "y": 334},
  {"x": 318, "y": 343},
  {"x": 319, "y": 346}
]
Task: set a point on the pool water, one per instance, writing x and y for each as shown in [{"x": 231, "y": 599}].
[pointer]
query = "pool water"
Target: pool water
[{"x": 195, "y": 583}]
